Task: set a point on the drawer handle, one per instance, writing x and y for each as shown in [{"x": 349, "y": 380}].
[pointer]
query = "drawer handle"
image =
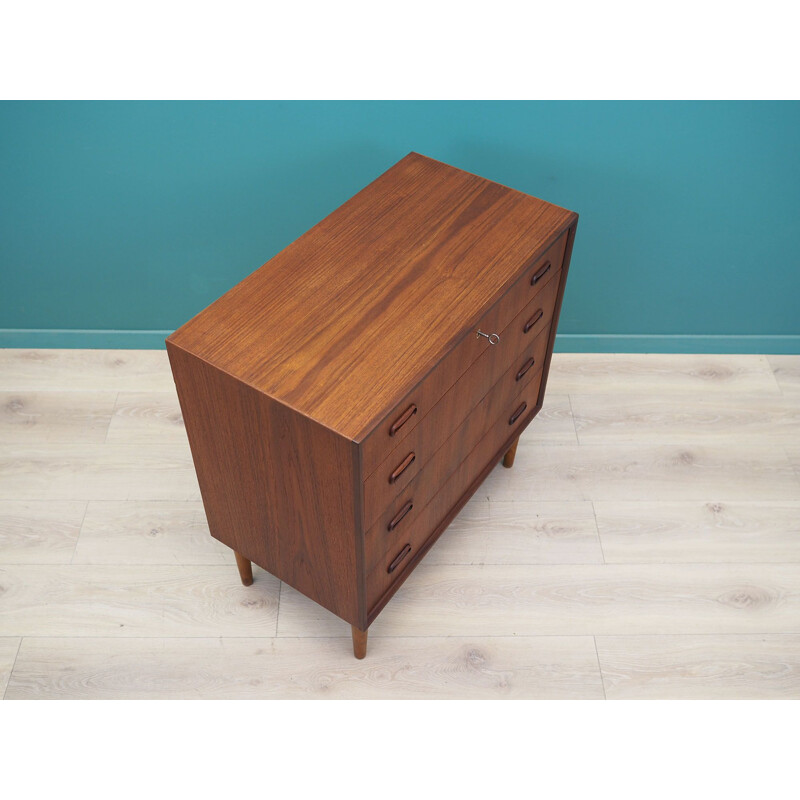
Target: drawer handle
[
  {"x": 533, "y": 320},
  {"x": 400, "y": 514},
  {"x": 400, "y": 556},
  {"x": 494, "y": 338},
  {"x": 402, "y": 419},
  {"x": 402, "y": 467},
  {"x": 541, "y": 273},
  {"x": 525, "y": 367},
  {"x": 517, "y": 414}
]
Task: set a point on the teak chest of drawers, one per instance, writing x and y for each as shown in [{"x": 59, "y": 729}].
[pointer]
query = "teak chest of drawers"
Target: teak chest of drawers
[{"x": 345, "y": 400}]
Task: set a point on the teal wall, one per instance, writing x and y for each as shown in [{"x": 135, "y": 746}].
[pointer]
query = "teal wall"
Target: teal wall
[{"x": 120, "y": 220}]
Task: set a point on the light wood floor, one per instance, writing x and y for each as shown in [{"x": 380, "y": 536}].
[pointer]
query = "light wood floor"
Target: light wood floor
[{"x": 645, "y": 545}]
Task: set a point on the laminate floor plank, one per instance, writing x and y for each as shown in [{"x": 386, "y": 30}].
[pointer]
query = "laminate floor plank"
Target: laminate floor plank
[
  {"x": 701, "y": 532},
  {"x": 621, "y": 419},
  {"x": 135, "y": 601},
  {"x": 41, "y": 418},
  {"x": 9, "y": 645},
  {"x": 39, "y": 532},
  {"x": 98, "y": 472},
  {"x": 659, "y": 374},
  {"x": 787, "y": 372},
  {"x": 757, "y": 667},
  {"x": 148, "y": 532},
  {"x": 85, "y": 370},
  {"x": 576, "y": 600},
  {"x": 520, "y": 532},
  {"x": 145, "y": 417},
  {"x": 645, "y": 472},
  {"x": 413, "y": 668},
  {"x": 553, "y": 424}
]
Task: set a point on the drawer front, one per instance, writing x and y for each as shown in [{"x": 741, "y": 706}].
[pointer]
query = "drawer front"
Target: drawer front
[
  {"x": 414, "y": 451},
  {"x": 408, "y": 505},
  {"x": 433, "y": 459},
  {"x": 406, "y": 415},
  {"x": 387, "y": 555}
]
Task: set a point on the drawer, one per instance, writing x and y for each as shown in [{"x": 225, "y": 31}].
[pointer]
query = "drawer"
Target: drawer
[
  {"x": 455, "y": 449},
  {"x": 406, "y": 415},
  {"x": 387, "y": 558},
  {"x": 414, "y": 451}
]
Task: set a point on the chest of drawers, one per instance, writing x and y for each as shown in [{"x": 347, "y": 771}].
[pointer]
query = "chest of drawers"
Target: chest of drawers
[{"x": 344, "y": 401}]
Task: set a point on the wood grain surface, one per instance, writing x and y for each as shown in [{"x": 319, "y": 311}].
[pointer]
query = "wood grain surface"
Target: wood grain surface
[
  {"x": 53, "y": 417},
  {"x": 492, "y": 373},
  {"x": 659, "y": 374},
  {"x": 147, "y": 532},
  {"x": 97, "y": 472},
  {"x": 787, "y": 372},
  {"x": 492, "y": 668},
  {"x": 574, "y": 599},
  {"x": 430, "y": 478},
  {"x": 755, "y": 667},
  {"x": 410, "y": 264},
  {"x": 383, "y": 544},
  {"x": 277, "y": 487},
  {"x": 85, "y": 371},
  {"x": 144, "y": 417},
  {"x": 642, "y": 471},
  {"x": 39, "y": 532},
  {"x": 604, "y": 419},
  {"x": 702, "y": 532},
  {"x": 116, "y": 600},
  {"x": 385, "y": 327},
  {"x": 9, "y": 646},
  {"x": 554, "y": 423},
  {"x": 488, "y": 531}
]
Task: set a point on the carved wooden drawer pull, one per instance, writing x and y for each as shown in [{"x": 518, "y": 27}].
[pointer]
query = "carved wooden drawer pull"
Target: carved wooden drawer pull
[
  {"x": 525, "y": 367},
  {"x": 402, "y": 467},
  {"x": 517, "y": 414},
  {"x": 400, "y": 556},
  {"x": 400, "y": 514},
  {"x": 541, "y": 273},
  {"x": 533, "y": 320},
  {"x": 402, "y": 419}
]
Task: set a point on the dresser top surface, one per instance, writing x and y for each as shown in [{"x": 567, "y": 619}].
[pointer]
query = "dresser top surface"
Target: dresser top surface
[{"x": 346, "y": 320}]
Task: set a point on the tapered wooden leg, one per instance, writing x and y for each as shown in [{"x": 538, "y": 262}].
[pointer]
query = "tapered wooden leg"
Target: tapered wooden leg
[
  {"x": 359, "y": 642},
  {"x": 245, "y": 569},
  {"x": 508, "y": 458}
]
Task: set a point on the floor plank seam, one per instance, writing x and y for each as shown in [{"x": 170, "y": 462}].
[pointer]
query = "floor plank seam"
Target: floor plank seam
[
  {"x": 600, "y": 668},
  {"x": 80, "y": 531},
  {"x": 13, "y": 667},
  {"x": 111, "y": 418},
  {"x": 597, "y": 530},
  {"x": 574, "y": 421},
  {"x": 775, "y": 378}
]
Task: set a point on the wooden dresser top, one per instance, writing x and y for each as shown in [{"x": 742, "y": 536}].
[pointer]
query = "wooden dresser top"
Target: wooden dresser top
[{"x": 347, "y": 319}]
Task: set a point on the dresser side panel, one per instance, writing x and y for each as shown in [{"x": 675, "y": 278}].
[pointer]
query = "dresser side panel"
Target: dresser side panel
[
  {"x": 557, "y": 309},
  {"x": 277, "y": 487}
]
